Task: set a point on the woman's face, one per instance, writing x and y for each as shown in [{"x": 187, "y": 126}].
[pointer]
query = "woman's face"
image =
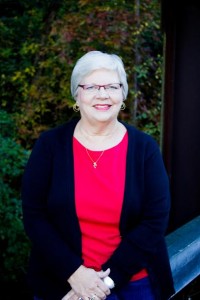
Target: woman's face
[{"x": 100, "y": 105}]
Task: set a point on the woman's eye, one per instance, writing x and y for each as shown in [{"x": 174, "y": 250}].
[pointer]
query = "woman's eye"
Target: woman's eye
[
  {"x": 90, "y": 88},
  {"x": 112, "y": 87}
]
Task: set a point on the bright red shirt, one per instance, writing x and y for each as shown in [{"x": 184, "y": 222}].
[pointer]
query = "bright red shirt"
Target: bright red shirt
[{"x": 99, "y": 196}]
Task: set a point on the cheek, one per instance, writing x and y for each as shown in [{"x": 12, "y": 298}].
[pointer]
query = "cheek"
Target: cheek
[
  {"x": 119, "y": 99},
  {"x": 82, "y": 99},
  {"x": 79, "y": 97}
]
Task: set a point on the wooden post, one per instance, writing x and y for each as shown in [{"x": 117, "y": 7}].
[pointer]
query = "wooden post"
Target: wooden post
[{"x": 181, "y": 115}]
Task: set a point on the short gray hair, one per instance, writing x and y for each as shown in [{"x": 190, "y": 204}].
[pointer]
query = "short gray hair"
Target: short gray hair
[{"x": 95, "y": 60}]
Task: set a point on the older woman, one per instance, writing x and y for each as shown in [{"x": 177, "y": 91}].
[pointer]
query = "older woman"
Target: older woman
[{"x": 96, "y": 198}]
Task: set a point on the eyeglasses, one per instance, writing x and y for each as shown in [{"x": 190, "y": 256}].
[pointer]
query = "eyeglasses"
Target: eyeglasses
[{"x": 94, "y": 88}]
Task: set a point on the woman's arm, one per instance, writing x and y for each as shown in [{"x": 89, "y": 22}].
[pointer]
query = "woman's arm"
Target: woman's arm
[
  {"x": 54, "y": 252},
  {"x": 142, "y": 241}
]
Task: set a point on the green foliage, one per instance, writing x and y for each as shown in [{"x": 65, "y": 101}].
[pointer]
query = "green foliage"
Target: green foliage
[
  {"x": 42, "y": 41},
  {"x": 13, "y": 242}
]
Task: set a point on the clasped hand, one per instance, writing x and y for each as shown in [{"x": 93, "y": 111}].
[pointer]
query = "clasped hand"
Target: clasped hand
[{"x": 87, "y": 284}]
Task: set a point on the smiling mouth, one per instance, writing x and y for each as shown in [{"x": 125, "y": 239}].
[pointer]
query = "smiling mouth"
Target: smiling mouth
[{"x": 102, "y": 107}]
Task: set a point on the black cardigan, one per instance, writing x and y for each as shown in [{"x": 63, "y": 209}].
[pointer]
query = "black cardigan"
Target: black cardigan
[{"x": 51, "y": 223}]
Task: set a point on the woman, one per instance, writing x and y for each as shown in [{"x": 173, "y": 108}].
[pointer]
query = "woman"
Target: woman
[{"x": 96, "y": 198}]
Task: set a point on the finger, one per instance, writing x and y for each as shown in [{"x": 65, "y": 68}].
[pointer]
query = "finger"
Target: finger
[
  {"x": 75, "y": 297},
  {"x": 99, "y": 293},
  {"x": 103, "y": 274},
  {"x": 69, "y": 295},
  {"x": 103, "y": 287},
  {"x": 101, "y": 290},
  {"x": 95, "y": 297}
]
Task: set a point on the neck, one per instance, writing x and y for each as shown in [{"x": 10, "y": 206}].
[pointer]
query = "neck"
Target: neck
[
  {"x": 99, "y": 130},
  {"x": 99, "y": 137}
]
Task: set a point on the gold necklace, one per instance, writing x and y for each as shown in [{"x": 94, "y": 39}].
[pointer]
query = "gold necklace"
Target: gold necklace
[{"x": 94, "y": 162}]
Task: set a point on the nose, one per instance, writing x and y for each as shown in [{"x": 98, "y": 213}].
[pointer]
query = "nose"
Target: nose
[{"x": 102, "y": 93}]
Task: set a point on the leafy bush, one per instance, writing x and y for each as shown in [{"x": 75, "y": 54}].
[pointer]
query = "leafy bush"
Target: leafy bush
[
  {"x": 13, "y": 242},
  {"x": 42, "y": 40}
]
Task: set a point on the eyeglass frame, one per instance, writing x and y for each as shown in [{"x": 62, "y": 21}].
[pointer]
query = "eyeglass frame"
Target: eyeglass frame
[{"x": 99, "y": 86}]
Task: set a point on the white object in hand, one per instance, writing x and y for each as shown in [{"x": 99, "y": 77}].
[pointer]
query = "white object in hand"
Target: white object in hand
[{"x": 109, "y": 282}]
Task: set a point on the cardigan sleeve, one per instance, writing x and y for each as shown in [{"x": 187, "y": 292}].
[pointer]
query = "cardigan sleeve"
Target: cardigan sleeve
[
  {"x": 52, "y": 249},
  {"x": 140, "y": 243}
]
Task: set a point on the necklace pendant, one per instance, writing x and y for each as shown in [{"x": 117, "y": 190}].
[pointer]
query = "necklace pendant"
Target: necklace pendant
[{"x": 94, "y": 163}]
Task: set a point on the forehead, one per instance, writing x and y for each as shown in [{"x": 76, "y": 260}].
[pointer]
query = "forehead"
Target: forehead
[{"x": 101, "y": 76}]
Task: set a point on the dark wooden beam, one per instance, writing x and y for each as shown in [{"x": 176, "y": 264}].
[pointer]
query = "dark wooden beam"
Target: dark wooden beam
[{"x": 181, "y": 114}]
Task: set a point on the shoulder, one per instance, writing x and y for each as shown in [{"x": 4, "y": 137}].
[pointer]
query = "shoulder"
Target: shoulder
[
  {"x": 144, "y": 149},
  {"x": 59, "y": 133},
  {"x": 55, "y": 138},
  {"x": 141, "y": 145},
  {"x": 139, "y": 138}
]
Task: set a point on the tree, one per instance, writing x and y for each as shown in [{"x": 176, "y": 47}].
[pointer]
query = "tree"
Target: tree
[
  {"x": 44, "y": 41},
  {"x": 13, "y": 243}
]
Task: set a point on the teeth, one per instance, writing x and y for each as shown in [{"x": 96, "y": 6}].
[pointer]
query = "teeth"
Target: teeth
[{"x": 102, "y": 105}]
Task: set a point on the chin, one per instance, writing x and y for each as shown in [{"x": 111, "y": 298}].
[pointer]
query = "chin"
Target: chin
[{"x": 105, "y": 118}]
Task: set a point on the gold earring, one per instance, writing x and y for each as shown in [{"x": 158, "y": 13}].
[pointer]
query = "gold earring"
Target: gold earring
[
  {"x": 123, "y": 106},
  {"x": 76, "y": 107}
]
